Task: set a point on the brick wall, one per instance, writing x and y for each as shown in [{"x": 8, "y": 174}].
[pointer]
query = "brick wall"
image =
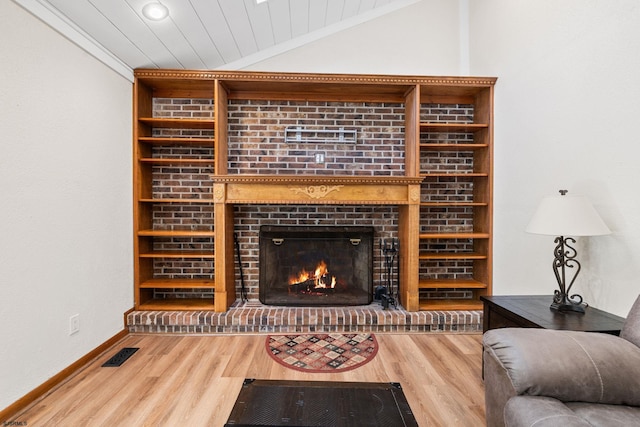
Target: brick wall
[
  {"x": 257, "y": 146},
  {"x": 257, "y": 138},
  {"x": 186, "y": 108}
]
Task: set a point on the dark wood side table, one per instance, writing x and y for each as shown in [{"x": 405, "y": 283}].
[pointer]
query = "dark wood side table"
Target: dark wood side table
[{"x": 532, "y": 311}]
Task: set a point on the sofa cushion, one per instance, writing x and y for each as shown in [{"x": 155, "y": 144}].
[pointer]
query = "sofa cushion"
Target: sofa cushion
[
  {"x": 538, "y": 411},
  {"x": 607, "y": 415},
  {"x": 567, "y": 365},
  {"x": 631, "y": 328}
]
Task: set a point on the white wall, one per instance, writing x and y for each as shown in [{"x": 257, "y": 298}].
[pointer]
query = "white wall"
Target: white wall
[
  {"x": 566, "y": 110},
  {"x": 65, "y": 202},
  {"x": 422, "y": 38}
]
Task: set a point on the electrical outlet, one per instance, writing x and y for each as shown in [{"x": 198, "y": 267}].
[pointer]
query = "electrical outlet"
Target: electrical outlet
[
  {"x": 319, "y": 157},
  {"x": 74, "y": 324}
]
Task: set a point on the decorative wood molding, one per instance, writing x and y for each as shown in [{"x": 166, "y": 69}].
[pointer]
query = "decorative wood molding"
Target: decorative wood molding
[
  {"x": 218, "y": 193},
  {"x": 317, "y": 179},
  {"x": 314, "y": 77},
  {"x": 316, "y": 191},
  {"x": 414, "y": 194}
]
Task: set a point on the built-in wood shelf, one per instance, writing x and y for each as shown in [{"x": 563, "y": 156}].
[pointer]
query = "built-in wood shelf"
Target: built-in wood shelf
[
  {"x": 177, "y": 200},
  {"x": 451, "y": 284},
  {"x": 176, "y": 161},
  {"x": 181, "y": 304},
  {"x": 166, "y": 123},
  {"x": 178, "y": 283},
  {"x": 465, "y": 186},
  {"x": 178, "y": 254},
  {"x": 453, "y": 204},
  {"x": 197, "y": 142},
  {"x": 451, "y": 255},
  {"x": 452, "y": 147},
  {"x": 454, "y": 236},
  {"x": 176, "y": 233},
  {"x": 454, "y": 175},
  {"x": 452, "y": 127},
  {"x": 450, "y": 304}
]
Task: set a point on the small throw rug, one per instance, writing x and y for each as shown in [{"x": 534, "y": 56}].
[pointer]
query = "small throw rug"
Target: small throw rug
[{"x": 322, "y": 352}]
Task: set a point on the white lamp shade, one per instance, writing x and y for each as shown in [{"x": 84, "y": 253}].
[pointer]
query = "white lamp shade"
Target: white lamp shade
[{"x": 567, "y": 216}]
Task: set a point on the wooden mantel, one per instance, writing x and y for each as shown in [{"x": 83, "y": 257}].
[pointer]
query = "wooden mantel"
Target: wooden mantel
[
  {"x": 229, "y": 190},
  {"x": 314, "y": 189}
]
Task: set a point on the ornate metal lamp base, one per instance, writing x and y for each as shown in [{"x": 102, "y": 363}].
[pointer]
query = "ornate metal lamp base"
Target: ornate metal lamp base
[
  {"x": 578, "y": 308},
  {"x": 565, "y": 257}
]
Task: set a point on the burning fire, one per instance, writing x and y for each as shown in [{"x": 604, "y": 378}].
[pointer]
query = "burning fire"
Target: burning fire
[{"x": 319, "y": 278}]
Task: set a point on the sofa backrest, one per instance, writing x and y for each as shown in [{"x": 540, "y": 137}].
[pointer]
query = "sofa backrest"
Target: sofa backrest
[{"x": 631, "y": 328}]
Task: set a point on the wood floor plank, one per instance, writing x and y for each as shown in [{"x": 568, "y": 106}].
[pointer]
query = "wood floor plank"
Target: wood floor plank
[{"x": 194, "y": 380}]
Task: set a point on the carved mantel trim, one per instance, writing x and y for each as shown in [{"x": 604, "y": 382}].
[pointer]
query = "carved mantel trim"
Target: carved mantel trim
[
  {"x": 294, "y": 189},
  {"x": 316, "y": 179}
]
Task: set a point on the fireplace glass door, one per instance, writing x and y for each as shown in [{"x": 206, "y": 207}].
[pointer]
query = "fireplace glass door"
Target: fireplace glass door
[{"x": 316, "y": 266}]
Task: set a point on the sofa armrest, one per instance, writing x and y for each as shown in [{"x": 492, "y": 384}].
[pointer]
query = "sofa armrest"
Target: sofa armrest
[
  {"x": 631, "y": 328},
  {"x": 498, "y": 388},
  {"x": 567, "y": 365}
]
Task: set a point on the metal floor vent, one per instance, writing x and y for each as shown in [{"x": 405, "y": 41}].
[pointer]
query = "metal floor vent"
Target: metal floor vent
[
  {"x": 120, "y": 357},
  {"x": 320, "y": 403}
]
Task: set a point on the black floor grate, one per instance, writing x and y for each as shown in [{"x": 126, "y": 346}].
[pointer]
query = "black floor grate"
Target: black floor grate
[
  {"x": 320, "y": 403},
  {"x": 120, "y": 357}
]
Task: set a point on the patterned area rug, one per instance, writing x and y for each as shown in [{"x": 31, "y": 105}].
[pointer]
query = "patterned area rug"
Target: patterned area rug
[{"x": 322, "y": 352}]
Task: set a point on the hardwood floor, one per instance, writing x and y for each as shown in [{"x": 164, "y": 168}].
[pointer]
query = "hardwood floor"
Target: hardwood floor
[{"x": 194, "y": 380}]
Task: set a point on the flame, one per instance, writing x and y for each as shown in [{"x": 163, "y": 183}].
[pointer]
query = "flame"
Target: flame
[{"x": 319, "y": 277}]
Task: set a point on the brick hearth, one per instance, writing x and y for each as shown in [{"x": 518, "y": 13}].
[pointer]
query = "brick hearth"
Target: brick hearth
[{"x": 253, "y": 317}]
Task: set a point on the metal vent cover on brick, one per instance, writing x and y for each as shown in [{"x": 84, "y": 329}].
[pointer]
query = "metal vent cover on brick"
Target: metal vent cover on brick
[{"x": 120, "y": 357}]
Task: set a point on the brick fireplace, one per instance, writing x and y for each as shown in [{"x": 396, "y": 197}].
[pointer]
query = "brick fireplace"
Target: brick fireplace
[{"x": 220, "y": 156}]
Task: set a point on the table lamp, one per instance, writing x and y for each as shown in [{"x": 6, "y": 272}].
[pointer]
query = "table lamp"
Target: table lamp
[{"x": 566, "y": 216}]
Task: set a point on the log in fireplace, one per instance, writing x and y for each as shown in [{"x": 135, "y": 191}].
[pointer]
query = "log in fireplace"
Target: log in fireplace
[{"x": 316, "y": 266}]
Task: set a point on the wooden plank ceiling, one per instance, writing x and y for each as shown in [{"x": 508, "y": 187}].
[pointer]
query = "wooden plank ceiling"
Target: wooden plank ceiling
[{"x": 209, "y": 34}]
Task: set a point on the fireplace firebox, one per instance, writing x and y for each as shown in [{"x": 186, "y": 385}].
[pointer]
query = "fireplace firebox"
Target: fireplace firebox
[{"x": 316, "y": 266}]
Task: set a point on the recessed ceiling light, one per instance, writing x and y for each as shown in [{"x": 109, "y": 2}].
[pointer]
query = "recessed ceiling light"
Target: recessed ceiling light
[
  {"x": 260, "y": 1},
  {"x": 155, "y": 11}
]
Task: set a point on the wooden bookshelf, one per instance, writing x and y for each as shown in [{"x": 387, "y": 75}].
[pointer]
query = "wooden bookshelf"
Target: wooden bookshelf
[{"x": 433, "y": 186}]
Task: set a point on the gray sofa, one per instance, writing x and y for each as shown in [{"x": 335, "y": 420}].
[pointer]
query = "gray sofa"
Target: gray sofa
[{"x": 543, "y": 378}]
